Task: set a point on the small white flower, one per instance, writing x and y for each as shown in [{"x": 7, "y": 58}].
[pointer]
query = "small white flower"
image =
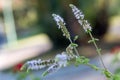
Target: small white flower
[
  {"x": 61, "y": 59},
  {"x": 86, "y": 25},
  {"x": 78, "y": 14},
  {"x": 58, "y": 19},
  {"x": 80, "y": 22}
]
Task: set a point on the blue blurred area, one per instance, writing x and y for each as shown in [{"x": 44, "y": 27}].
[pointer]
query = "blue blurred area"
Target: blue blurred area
[{"x": 2, "y": 39}]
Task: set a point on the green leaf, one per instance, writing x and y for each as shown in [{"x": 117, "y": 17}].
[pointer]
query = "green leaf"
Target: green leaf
[
  {"x": 93, "y": 40},
  {"x": 44, "y": 74},
  {"x": 90, "y": 41},
  {"x": 116, "y": 77},
  {"x": 24, "y": 68},
  {"x": 74, "y": 45},
  {"x": 96, "y": 39},
  {"x": 81, "y": 60},
  {"x": 76, "y": 37},
  {"x": 95, "y": 67},
  {"x": 107, "y": 74},
  {"x": 99, "y": 50}
]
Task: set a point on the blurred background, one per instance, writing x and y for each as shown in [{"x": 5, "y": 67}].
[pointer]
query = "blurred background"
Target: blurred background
[{"x": 28, "y": 31}]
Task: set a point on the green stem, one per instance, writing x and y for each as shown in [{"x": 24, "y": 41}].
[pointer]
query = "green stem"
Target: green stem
[
  {"x": 99, "y": 53},
  {"x": 93, "y": 66},
  {"x": 76, "y": 51},
  {"x": 97, "y": 49}
]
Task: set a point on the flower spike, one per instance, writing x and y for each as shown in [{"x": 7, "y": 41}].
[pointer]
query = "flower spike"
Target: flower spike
[
  {"x": 80, "y": 17},
  {"x": 61, "y": 25}
]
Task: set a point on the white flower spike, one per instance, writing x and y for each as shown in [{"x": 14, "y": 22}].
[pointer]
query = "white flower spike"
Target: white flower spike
[
  {"x": 58, "y": 19},
  {"x": 80, "y": 17},
  {"x": 61, "y": 25},
  {"x": 78, "y": 14}
]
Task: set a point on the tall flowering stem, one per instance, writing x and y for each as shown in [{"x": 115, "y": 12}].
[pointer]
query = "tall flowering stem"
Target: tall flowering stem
[
  {"x": 86, "y": 26},
  {"x": 72, "y": 47},
  {"x": 93, "y": 40},
  {"x": 61, "y": 25}
]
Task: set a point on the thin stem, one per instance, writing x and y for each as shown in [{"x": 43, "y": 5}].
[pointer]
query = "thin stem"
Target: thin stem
[
  {"x": 76, "y": 51},
  {"x": 92, "y": 66},
  {"x": 98, "y": 50},
  {"x": 99, "y": 53}
]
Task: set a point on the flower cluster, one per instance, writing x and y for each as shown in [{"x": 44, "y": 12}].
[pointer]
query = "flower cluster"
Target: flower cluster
[
  {"x": 70, "y": 52},
  {"x": 80, "y": 17},
  {"x": 58, "y": 20},
  {"x": 61, "y": 25},
  {"x": 61, "y": 59},
  {"x": 37, "y": 64},
  {"x": 78, "y": 14},
  {"x": 53, "y": 65},
  {"x": 86, "y": 26}
]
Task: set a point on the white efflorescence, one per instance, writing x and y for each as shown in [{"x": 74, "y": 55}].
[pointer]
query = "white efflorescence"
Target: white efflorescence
[
  {"x": 80, "y": 17},
  {"x": 58, "y": 19},
  {"x": 61, "y": 59}
]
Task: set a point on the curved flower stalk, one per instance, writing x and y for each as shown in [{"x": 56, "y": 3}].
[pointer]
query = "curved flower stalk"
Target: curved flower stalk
[
  {"x": 61, "y": 25},
  {"x": 60, "y": 60},
  {"x": 86, "y": 26},
  {"x": 37, "y": 64}
]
